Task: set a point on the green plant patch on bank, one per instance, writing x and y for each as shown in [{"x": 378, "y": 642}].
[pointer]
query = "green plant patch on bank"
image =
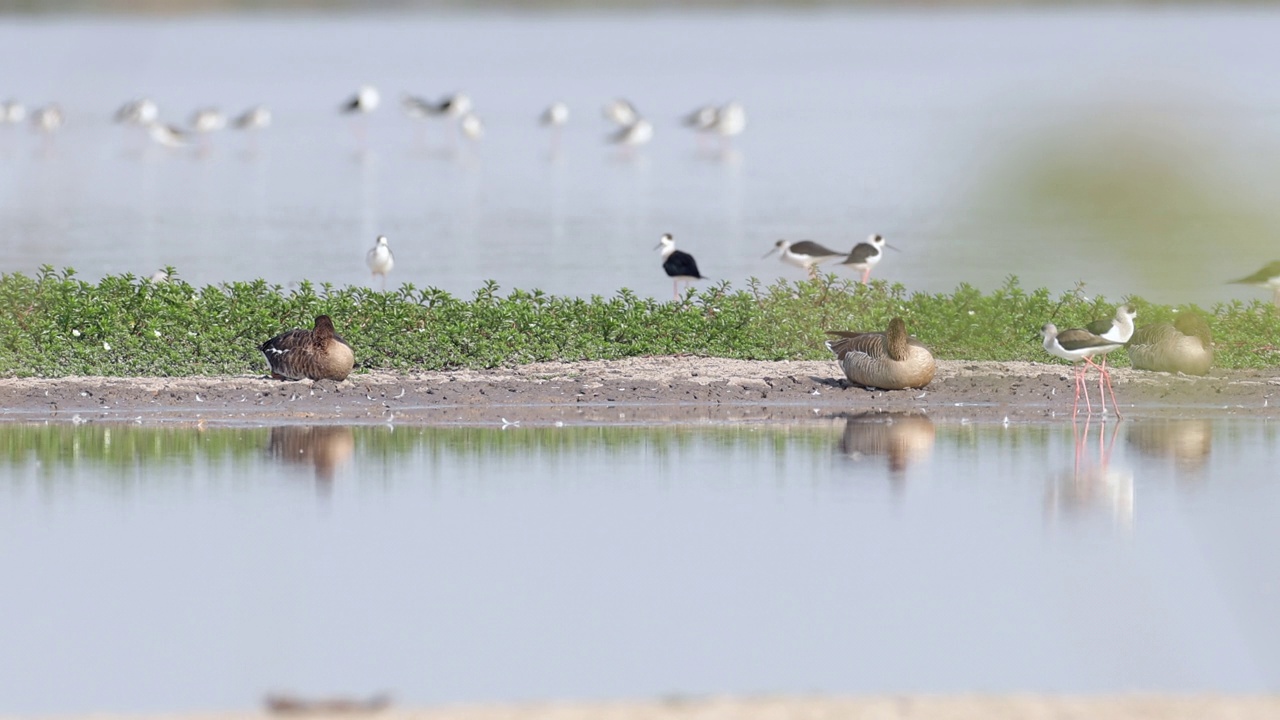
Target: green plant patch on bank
[{"x": 55, "y": 324}]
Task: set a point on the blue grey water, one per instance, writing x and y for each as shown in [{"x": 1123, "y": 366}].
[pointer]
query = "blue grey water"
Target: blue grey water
[
  {"x": 154, "y": 569},
  {"x": 917, "y": 125}
]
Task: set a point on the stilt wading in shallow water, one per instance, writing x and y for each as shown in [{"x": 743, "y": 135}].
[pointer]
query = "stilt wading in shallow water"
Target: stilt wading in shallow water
[
  {"x": 1079, "y": 344},
  {"x": 12, "y": 112},
  {"x": 1186, "y": 346},
  {"x": 207, "y": 120},
  {"x": 731, "y": 120},
  {"x": 633, "y": 135},
  {"x": 380, "y": 260},
  {"x": 1268, "y": 277},
  {"x": 679, "y": 266},
  {"x": 865, "y": 255},
  {"x": 317, "y": 354},
  {"x": 889, "y": 360},
  {"x": 805, "y": 253},
  {"x": 255, "y": 118},
  {"x": 48, "y": 118},
  {"x": 451, "y": 106},
  {"x": 621, "y": 112},
  {"x": 365, "y": 100},
  {"x": 170, "y": 136},
  {"x": 701, "y": 119},
  {"x": 141, "y": 112},
  {"x": 555, "y": 117}
]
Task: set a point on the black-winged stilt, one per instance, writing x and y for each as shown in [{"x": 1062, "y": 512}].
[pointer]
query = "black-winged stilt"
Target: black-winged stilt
[
  {"x": 48, "y": 118},
  {"x": 169, "y": 136},
  {"x": 556, "y": 116},
  {"x": 865, "y": 255},
  {"x": 679, "y": 265},
  {"x": 12, "y": 112},
  {"x": 141, "y": 112},
  {"x": 380, "y": 260},
  {"x": 365, "y": 100},
  {"x": 1118, "y": 329},
  {"x": 621, "y": 112},
  {"x": 471, "y": 126},
  {"x": 207, "y": 120},
  {"x": 255, "y": 118},
  {"x": 1078, "y": 344},
  {"x": 806, "y": 254},
  {"x": 632, "y": 136},
  {"x": 731, "y": 120},
  {"x": 701, "y": 119}
]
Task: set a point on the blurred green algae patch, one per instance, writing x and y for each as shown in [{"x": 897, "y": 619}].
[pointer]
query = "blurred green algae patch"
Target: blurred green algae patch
[{"x": 1135, "y": 191}]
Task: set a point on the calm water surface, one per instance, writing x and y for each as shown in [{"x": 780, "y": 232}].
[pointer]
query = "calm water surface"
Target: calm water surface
[
  {"x": 897, "y": 123},
  {"x": 171, "y": 569}
]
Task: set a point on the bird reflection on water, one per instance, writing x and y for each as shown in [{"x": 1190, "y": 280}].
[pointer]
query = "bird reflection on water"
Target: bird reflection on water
[
  {"x": 1185, "y": 441},
  {"x": 903, "y": 439},
  {"x": 325, "y": 447},
  {"x": 1092, "y": 482}
]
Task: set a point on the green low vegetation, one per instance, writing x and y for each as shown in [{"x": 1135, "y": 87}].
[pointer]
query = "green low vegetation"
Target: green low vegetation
[{"x": 55, "y": 324}]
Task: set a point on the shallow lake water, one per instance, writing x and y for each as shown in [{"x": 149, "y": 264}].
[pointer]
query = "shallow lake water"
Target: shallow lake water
[
  {"x": 168, "y": 569},
  {"x": 900, "y": 123}
]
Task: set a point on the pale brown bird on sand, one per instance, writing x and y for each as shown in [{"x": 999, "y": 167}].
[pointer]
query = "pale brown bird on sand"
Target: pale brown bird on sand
[
  {"x": 1186, "y": 346},
  {"x": 891, "y": 360},
  {"x": 317, "y": 354}
]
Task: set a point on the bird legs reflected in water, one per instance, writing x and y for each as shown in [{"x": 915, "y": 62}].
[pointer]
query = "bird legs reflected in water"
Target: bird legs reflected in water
[{"x": 1092, "y": 483}]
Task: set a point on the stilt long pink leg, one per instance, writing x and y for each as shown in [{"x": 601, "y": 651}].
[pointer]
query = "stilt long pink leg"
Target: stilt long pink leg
[
  {"x": 1081, "y": 384},
  {"x": 1101, "y": 374},
  {"x": 1114, "y": 404},
  {"x": 1075, "y": 406}
]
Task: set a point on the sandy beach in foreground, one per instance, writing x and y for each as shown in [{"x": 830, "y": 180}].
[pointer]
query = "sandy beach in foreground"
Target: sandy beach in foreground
[
  {"x": 634, "y": 390},
  {"x": 1012, "y": 707}
]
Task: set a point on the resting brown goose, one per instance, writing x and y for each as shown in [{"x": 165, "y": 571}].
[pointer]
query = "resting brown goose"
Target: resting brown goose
[
  {"x": 317, "y": 354},
  {"x": 1186, "y": 346},
  {"x": 891, "y": 360}
]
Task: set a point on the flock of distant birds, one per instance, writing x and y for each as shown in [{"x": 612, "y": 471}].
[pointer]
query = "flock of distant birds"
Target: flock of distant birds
[
  {"x": 633, "y": 129},
  {"x": 888, "y": 360}
]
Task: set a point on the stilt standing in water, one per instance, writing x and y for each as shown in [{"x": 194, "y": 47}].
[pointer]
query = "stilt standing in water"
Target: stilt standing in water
[
  {"x": 679, "y": 265},
  {"x": 864, "y": 256},
  {"x": 805, "y": 253},
  {"x": 380, "y": 260}
]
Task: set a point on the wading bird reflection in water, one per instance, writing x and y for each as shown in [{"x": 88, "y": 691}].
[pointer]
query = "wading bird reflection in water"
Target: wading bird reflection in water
[{"x": 1093, "y": 484}]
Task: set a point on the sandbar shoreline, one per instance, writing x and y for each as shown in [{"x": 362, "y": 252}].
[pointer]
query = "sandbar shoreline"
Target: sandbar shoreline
[{"x": 644, "y": 390}]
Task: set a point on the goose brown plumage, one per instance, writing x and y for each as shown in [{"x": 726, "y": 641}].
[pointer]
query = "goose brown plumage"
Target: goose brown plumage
[
  {"x": 890, "y": 360},
  {"x": 316, "y": 354},
  {"x": 1186, "y": 346}
]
